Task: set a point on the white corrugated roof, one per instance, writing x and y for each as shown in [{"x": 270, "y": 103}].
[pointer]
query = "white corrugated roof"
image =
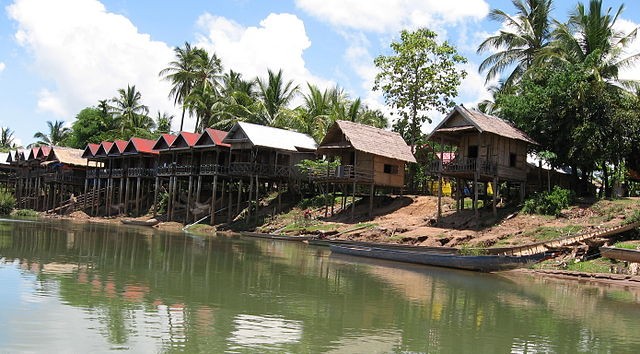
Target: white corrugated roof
[
  {"x": 3, "y": 158},
  {"x": 270, "y": 137}
]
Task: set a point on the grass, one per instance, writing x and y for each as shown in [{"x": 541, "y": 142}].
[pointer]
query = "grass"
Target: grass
[
  {"x": 546, "y": 233},
  {"x": 626, "y": 245},
  {"x": 608, "y": 209},
  {"x": 25, "y": 213},
  {"x": 592, "y": 266},
  {"x": 468, "y": 203},
  {"x": 309, "y": 226}
]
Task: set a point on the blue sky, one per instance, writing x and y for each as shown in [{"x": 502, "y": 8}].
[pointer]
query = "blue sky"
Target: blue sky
[{"x": 57, "y": 57}]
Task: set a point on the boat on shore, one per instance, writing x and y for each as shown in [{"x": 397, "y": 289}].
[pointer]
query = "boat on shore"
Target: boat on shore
[
  {"x": 148, "y": 222},
  {"x": 328, "y": 243},
  {"x": 620, "y": 254},
  {"x": 480, "y": 263},
  {"x": 277, "y": 237}
]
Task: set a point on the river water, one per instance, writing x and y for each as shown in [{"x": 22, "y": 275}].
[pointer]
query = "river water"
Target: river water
[{"x": 79, "y": 288}]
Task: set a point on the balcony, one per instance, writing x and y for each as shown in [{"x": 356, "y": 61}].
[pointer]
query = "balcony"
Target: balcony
[
  {"x": 164, "y": 171},
  {"x": 212, "y": 169},
  {"x": 464, "y": 166},
  {"x": 342, "y": 173},
  {"x": 184, "y": 170},
  {"x": 117, "y": 172},
  {"x": 264, "y": 170},
  {"x": 140, "y": 172}
]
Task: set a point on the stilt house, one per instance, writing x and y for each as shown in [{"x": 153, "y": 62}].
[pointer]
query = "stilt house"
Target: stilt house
[{"x": 487, "y": 149}]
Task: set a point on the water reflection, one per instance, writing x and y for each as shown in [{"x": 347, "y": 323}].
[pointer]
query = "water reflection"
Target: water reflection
[{"x": 137, "y": 289}]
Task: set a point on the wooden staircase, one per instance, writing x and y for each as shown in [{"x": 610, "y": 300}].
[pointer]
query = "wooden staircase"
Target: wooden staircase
[{"x": 81, "y": 202}]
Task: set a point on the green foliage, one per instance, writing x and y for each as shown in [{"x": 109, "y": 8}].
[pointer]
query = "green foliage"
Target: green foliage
[
  {"x": 421, "y": 75},
  {"x": 546, "y": 233},
  {"x": 310, "y": 166},
  {"x": 316, "y": 201},
  {"x": 163, "y": 202},
  {"x": 548, "y": 203},
  {"x": 627, "y": 245},
  {"x": 593, "y": 266},
  {"x": 26, "y": 213},
  {"x": 7, "y": 203}
]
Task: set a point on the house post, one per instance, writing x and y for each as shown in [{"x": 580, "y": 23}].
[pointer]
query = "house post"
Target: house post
[{"x": 214, "y": 192}]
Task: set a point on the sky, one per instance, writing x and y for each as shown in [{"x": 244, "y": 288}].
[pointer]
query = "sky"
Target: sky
[{"x": 60, "y": 56}]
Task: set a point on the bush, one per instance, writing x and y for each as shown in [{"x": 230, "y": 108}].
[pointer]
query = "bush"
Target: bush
[
  {"x": 30, "y": 213},
  {"x": 7, "y": 203},
  {"x": 548, "y": 203}
]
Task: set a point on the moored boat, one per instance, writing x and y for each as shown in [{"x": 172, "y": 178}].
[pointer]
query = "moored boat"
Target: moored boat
[
  {"x": 481, "y": 263},
  {"x": 277, "y": 237},
  {"x": 328, "y": 243},
  {"x": 621, "y": 254},
  {"x": 148, "y": 222}
]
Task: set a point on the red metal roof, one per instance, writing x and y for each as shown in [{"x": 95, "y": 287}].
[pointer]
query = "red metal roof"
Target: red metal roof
[
  {"x": 164, "y": 140},
  {"x": 44, "y": 151},
  {"x": 189, "y": 138},
  {"x": 104, "y": 148},
  {"x": 144, "y": 146},
  {"x": 33, "y": 153},
  {"x": 216, "y": 136},
  {"x": 90, "y": 150}
]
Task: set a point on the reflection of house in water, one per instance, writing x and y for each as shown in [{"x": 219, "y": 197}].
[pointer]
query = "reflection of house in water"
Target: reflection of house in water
[{"x": 263, "y": 332}]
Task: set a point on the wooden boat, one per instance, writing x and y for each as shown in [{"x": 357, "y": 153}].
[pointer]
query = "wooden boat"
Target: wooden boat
[
  {"x": 621, "y": 254},
  {"x": 484, "y": 263},
  {"x": 149, "y": 222},
  {"x": 277, "y": 237},
  {"x": 328, "y": 243}
]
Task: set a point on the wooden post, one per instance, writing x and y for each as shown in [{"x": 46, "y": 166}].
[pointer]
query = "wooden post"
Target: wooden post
[
  {"x": 170, "y": 198},
  {"x": 189, "y": 196},
  {"x": 239, "y": 197},
  {"x": 371, "y": 195},
  {"x": 198, "y": 189},
  {"x": 353, "y": 201},
  {"x": 230, "y": 205},
  {"x": 155, "y": 196},
  {"x": 439, "y": 214},
  {"x": 257, "y": 194},
  {"x": 250, "y": 198},
  {"x": 126, "y": 194},
  {"x": 138, "y": 196},
  {"x": 495, "y": 196},
  {"x": 213, "y": 200},
  {"x": 279, "y": 197}
]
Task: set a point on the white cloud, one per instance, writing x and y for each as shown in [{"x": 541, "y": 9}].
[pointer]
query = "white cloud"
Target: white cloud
[
  {"x": 393, "y": 15},
  {"x": 87, "y": 53},
  {"x": 626, "y": 26},
  {"x": 2, "y": 66},
  {"x": 277, "y": 43}
]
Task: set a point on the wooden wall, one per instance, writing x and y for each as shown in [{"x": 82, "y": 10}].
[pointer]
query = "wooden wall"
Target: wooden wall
[
  {"x": 498, "y": 149},
  {"x": 382, "y": 178}
]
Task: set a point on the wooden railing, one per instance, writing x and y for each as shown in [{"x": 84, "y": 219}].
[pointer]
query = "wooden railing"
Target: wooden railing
[
  {"x": 117, "y": 172},
  {"x": 248, "y": 169},
  {"x": 184, "y": 170},
  {"x": 344, "y": 172},
  {"x": 164, "y": 171},
  {"x": 212, "y": 169},
  {"x": 140, "y": 172},
  {"x": 460, "y": 164}
]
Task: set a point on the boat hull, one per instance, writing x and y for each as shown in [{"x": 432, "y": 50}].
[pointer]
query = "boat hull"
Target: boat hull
[
  {"x": 150, "y": 222},
  {"x": 484, "y": 263},
  {"x": 621, "y": 254}
]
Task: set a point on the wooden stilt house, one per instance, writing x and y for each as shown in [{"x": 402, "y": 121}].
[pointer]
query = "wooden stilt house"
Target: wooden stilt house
[
  {"x": 139, "y": 175},
  {"x": 487, "y": 150},
  {"x": 64, "y": 179},
  {"x": 366, "y": 156}
]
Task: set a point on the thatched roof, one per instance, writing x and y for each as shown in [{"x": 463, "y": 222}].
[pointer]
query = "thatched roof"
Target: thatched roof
[
  {"x": 462, "y": 119},
  {"x": 67, "y": 156},
  {"x": 367, "y": 139}
]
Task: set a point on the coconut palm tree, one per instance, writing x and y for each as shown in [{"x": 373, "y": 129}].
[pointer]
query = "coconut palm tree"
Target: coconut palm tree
[
  {"x": 180, "y": 73},
  {"x": 6, "y": 138},
  {"x": 526, "y": 34},
  {"x": 206, "y": 87},
  {"x": 275, "y": 94},
  {"x": 57, "y": 134},
  {"x": 129, "y": 110},
  {"x": 163, "y": 122},
  {"x": 590, "y": 38}
]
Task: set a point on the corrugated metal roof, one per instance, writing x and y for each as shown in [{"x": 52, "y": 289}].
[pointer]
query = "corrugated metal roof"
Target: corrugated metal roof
[
  {"x": 275, "y": 138},
  {"x": 67, "y": 156},
  {"x": 164, "y": 141},
  {"x": 214, "y": 135},
  {"x": 117, "y": 148},
  {"x": 370, "y": 140},
  {"x": 90, "y": 150},
  {"x": 140, "y": 145}
]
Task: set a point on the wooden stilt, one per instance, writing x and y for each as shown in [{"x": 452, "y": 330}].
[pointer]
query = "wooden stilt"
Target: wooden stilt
[
  {"x": 127, "y": 188},
  {"x": 138, "y": 186},
  {"x": 213, "y": 200},
  {"x": 189, "y": 197},
  {"x": 230, "y": 205},
  {"x": 495, "y": 196},
  {"x": 249, "y": 199},
  {"x": 371, "y": 196},
  {"x": 156, "y": 190},
  {"x": 239, "y": 198},
  {"x": 353, "y": 201},
  {"x": 257, "y": 196}
]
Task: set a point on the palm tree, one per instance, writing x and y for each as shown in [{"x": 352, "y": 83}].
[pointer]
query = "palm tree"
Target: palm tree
[
  {"x": 163, "y": 122},
  {"x": 6, "y": 138},
  {"x": 180, "y": 73},
  {"x": 275, "y": 94},
  {"x": 528, "y": 33},
  {"x": 205, "y": 90},
  {"x": 589, "y": 38},
  {"x": 58, "y": 133},
  {"x": 129, "y": 110}
]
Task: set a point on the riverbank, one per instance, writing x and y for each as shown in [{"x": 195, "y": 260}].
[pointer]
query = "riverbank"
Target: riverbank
[{"x": 410, "y": 220}]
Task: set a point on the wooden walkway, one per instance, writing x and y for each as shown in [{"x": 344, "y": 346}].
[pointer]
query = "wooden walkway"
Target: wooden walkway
[{"x": 544, "y": 246}]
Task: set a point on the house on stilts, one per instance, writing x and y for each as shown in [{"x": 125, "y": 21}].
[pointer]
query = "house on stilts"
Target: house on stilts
[
  {"x": 364, "y": 156},
  {"x": 487, "y": 150}
]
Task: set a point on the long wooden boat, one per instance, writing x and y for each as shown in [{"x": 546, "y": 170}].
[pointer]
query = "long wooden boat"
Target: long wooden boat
[
  {"x": 484, "y": 263},
  {"x": 149, "y": 222},
  {"x": 277, "y": 237},
  {"x": 328, "y": 243},
  {"x": 621, "y": 254}
]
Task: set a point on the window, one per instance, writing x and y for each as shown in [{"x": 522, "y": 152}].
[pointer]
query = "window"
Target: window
[
  {"x": 391, "y": 169},
  {"x": 513, "y": 159},
  {"x": 473, "y": 152}
]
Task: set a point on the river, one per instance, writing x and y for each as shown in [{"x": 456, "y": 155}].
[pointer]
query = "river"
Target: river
[{"x": 73, "y": 287}]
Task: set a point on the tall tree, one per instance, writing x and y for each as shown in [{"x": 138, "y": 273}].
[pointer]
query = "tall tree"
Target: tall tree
[
  {"x": 420, "y": 76},
  {"x": 129, "y": 110},
  {"x": 275, "y": 94},
  {"x": 590, "y": 38},
  {"x": 163, "y": 122},
  {"x": 7, "y": 140},
  {"x": 56, "y": 135},
  {"x": 526, "y": 34},
  {"x": 180, "y": 73},
  {"x": 206, "y": 86}
]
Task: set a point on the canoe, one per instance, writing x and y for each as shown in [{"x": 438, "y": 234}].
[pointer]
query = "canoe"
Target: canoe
[
  {"x": 621, "y": 254},
  {"x": 149, "y": 222},
  {"x": 328, "y": 243},
  {"x": 277, "y": 237},
  {"x": 484, "y": 263}
]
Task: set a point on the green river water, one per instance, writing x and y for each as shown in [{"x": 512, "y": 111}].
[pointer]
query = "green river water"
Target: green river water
[{"x": 86, "y": 288}]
